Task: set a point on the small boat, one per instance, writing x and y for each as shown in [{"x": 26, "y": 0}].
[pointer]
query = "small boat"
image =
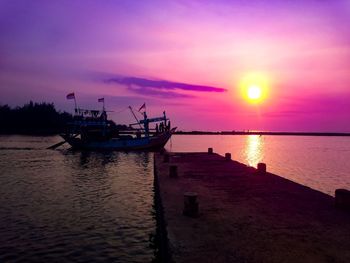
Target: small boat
[{"x": 91, "y": 130}]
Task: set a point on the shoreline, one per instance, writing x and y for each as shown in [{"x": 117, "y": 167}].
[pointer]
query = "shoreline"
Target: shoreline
[
  {"x": 328, "y": 134},
  {"x": 313, "y": 134}
]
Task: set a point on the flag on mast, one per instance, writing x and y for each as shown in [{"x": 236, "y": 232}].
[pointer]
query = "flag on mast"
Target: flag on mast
[
  {"x": 70, "y": 96},
  {"x": 101, "y": 100},
  {"x": 142, "y": 107}
]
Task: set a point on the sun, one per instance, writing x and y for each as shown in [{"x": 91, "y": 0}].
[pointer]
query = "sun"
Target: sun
[
  {"x": 255, "y": 87},
  {"x": 254, "y": 92}
]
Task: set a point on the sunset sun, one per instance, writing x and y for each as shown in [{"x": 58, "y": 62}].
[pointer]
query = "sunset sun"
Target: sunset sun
[
  {"x": 254, "y": 92},
  {"x": 254, "y": 87}
]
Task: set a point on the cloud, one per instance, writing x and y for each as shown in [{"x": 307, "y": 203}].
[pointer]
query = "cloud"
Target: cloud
[
  {"x": 161, "y": 84},
  {"x": 159, "y": 93}
]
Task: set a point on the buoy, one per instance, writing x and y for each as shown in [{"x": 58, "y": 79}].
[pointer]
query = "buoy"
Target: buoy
[
  {"x": 191, "y": 207},
  {"x": 261, "y": 168},
  {"x": 342, "y": 199},
  {"x": 227, "y": 156},
  {"x": 210, "y": 150}
]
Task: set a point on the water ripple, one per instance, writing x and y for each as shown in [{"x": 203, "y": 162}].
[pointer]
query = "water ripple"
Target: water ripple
[
  {"x": 318, "y": 162},
  {"x": 74, "y": 206}
]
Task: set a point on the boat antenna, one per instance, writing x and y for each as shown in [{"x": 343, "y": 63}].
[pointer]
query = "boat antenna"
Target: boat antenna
[
  {"x": 75, "y": 104},
  {"x": 135, "y": 117}
]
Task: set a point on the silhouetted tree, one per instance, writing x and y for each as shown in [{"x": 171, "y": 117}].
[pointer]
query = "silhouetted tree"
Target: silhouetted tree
[{"x": 32, "y": 118}]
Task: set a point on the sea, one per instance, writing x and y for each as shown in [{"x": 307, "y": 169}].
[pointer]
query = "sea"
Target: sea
[{"x": 75, "y": 206}]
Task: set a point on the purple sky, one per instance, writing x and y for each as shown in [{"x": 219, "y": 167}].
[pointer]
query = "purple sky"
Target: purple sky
[{"x": 190, "y": 58}]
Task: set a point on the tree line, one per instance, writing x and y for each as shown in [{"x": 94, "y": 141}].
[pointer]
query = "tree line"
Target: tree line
[{"x": 33, "y": 118}]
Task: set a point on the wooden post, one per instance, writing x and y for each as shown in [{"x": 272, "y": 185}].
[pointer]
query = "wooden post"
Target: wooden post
[
  {"x": 173, "y": 171},
  {"x": 166, "y": 158},
  {"x": 191, "y": 208},
  {"x": 210, "y": 150},
  {"x": 342, "y": 199},
  {"x": 262, "y": 168},
  {"x": 228, "y": 156}
]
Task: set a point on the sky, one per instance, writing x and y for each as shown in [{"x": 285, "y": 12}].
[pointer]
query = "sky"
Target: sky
[{"x": 193, "y": 59}]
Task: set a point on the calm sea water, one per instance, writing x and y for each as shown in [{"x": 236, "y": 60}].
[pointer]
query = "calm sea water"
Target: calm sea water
[
  {"x": 61, "y": 205},
  {"x": 322, "y": 163},
  {"x": 64, "y": 206}
]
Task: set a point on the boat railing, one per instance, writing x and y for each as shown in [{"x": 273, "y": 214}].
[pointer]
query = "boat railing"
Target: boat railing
[{"x": 88, "y": 123}]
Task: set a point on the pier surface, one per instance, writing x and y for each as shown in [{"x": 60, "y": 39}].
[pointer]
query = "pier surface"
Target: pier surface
[{"x": 245, "y": 216}]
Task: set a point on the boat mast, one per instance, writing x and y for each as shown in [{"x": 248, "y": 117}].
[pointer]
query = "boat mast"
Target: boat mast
[
  {"x": 135, "y": 117},
  {"x": 75, "y": 105}
]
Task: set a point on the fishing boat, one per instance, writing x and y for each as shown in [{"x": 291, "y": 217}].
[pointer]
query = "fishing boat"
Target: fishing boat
[{"x": 91, "y": 130}]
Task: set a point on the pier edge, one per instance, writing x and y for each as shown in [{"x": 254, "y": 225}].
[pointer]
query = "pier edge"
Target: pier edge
[{"x": 161, "y": 231}]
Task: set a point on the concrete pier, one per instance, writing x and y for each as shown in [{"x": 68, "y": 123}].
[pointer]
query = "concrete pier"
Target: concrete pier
[{"x": 246, "y": 217}]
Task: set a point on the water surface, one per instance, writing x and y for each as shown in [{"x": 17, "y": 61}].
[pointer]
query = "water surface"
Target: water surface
[
  {"x": 62, "y": 205},
  {"x": 321, "y": 163},
  {"x": 72, "y": 206}
]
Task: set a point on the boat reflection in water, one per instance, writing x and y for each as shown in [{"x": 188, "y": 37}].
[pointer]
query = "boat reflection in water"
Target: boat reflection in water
[{"x": 76, "y": 206}]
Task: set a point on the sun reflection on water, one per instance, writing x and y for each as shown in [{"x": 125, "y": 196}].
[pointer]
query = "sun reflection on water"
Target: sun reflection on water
[{"x": 254, "y": 149}]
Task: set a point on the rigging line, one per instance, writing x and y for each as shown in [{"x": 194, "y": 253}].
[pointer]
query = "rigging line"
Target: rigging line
[
  {"x": 135, "y": 117},
  {"x": 116, "y": 112}
]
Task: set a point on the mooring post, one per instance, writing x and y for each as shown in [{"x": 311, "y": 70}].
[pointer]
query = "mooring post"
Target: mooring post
[
  {"x": 262, "y": 168},
  {"x": 342, "y": 199},
  {"x": 166, "y": 158},
  {"x": 173, "y": 171},
  {"x": 210, "y": 150},
  {"x": 191, "y": 207},
  {"x": 227, "y": 156}
]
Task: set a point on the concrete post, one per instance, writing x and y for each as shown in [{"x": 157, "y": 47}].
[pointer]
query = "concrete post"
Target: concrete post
[
  {"x": 210, "y": 150},
  {"x": 173, "y": 171},
  {"x": 191, "y": 208},
  {"x": 262, "y": 168},
  {"x": 166, "y": 158},
  {"x": 227, "y": 156},
  {"x": 342, "y": 199}
]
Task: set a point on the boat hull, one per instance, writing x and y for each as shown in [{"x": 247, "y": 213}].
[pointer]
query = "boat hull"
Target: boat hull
[{"x": 122, "y": 144}]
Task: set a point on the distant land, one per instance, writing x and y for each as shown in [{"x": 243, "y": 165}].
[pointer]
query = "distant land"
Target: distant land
[
  {"x": 263, "y": 133},
  {"x": 32, "y": 118},
  {"x": 43, "y": 119}
]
